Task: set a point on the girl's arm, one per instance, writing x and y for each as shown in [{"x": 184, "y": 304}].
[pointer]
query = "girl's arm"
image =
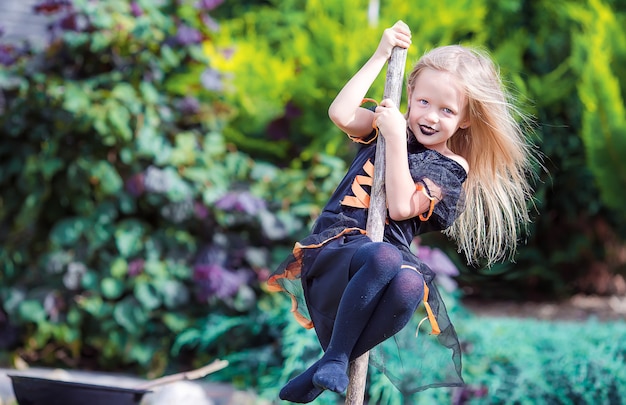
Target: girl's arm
[
  {"x": 404, "y": 201},
  {"x": 345, "y": 111}
]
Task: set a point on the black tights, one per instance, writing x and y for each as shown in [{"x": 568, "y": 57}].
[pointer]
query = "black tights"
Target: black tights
[{"x": 377, "y": 303}]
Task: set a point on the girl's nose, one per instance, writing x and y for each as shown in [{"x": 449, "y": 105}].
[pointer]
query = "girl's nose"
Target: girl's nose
[{"x": 432, "y": 116}]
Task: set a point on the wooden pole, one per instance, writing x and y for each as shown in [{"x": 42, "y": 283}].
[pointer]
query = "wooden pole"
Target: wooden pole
[{"x": 377, "y": 211}]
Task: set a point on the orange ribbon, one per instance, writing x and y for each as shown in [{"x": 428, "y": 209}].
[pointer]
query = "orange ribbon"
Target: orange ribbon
[
  {"x": 422, "y": 217},
  {"x": 360, "y": 140}
]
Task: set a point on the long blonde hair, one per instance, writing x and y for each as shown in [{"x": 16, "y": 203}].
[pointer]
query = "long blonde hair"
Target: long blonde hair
[{"x": 499, "y": 156}]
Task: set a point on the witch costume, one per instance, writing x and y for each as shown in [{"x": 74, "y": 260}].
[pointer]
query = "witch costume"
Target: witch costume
[{"x": 316, "y": 272}]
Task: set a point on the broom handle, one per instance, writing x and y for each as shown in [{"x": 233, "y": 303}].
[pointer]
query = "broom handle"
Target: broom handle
[{"x": 377, "y": 211}]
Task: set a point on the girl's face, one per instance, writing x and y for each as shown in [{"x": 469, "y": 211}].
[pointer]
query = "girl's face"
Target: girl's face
[{"x": 437, "y": 108}]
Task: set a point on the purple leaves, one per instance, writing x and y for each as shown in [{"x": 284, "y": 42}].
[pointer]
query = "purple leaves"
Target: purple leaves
[
  {"x": 135, "y": 267},
  {"x": 208, "y": 5},
  {"x": 441, "y": 264},
  {"x": 136, "y": 9},
  {"x": 187, "y": 35},
  {"x": 188, "y": 105},
  {"x": 241, "y": 201},
  {"x": 215, "y": 280},
  {"x": 9, "y": 54},
  {"x": 211, "y": 79},
  {"x": 135, "y": 184}
]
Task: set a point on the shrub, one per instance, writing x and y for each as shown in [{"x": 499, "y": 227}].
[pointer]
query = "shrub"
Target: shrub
[
  {"x": 310, "y": 49},
  {"x": 131, "y": 232}
]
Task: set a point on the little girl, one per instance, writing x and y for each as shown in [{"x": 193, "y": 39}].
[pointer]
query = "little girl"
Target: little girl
[{"x": 455, "y": 162}]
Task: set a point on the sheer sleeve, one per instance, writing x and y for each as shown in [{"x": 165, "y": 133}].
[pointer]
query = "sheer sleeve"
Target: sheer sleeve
[{"x": 449, "y": 176}]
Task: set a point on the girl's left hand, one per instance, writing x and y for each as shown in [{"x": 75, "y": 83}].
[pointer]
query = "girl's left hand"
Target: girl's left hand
[{"x": 390, "y": 121}]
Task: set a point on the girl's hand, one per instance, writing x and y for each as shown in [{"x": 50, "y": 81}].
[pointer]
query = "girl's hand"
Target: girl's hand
[
  {"x": 397, "y": 35},
  {"x": 390, "y": 121}
]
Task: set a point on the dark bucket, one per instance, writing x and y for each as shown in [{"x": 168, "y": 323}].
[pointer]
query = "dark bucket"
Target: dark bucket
[{"x": 43, "y": 391}]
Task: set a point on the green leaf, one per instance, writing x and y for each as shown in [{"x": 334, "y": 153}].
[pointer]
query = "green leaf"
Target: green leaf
[
  {"x": 89, "y": 280},
  {"x": 186, "y": 149},
  {"x": 76, "y": 99},
  {"x": 100, "y": 40},
  {"x": 176, "y": 322},
  {"x": 67, "y": 231},
  {"x": 142, "y": 353},
  {"x": 109, "y": 181},
  {"x": 147, "y": 295},
  {"x": 156, "y": 268},
  {"x": 92, "y": 305},
  {"x": 216, "y": 327},
  {"x": 31, "y": 311},
  {"x": 130, "y": 316},
  {"x": 50, "y": 167},
  {"x": 128, "y": 237},
  {"x": 119, "y": 117},
  {"x": 124, "y": 92},
  {"x": 119, "y": 268},
  {"x": 174, "y": 293},
  {"x": 188, "y": 338},
  {"x": 150, "y": 144},
  {"x": 169, "y": 58},
  {"x": 111, "y": 288},
  {"x": 179, "y": 189},
  {"x": 149, "y": 92}
]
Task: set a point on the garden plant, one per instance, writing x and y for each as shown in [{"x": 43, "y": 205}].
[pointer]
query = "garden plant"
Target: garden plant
[{"x": 157, "y": 158}]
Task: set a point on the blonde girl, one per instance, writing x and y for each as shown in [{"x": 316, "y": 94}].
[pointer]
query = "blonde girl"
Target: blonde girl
[{"x": 455, "y": 162}]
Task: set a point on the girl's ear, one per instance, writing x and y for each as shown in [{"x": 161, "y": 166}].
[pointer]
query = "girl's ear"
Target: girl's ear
[{"x": 465, "y": 123}]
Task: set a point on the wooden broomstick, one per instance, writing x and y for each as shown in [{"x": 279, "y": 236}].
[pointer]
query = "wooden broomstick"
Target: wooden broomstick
[{"x": 377, "y": 211}]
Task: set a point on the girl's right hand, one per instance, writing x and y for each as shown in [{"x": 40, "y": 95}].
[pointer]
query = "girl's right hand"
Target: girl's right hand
[{"x": 397, "y": 35}]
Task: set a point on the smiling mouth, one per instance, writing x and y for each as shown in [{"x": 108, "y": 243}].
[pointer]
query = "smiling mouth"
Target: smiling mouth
[{"x": 426, "y": 130}]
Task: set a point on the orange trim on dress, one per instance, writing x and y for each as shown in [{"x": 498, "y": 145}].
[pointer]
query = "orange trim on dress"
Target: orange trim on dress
[
  {"x": 293, "y": 271},
  {"x": 422, "y": 217},
  {"x": 431, "y": 316},
  {"x": 360, "y": 140},
  {"x": 429, "y": 311},
  {"x": 361, "y": 198}
]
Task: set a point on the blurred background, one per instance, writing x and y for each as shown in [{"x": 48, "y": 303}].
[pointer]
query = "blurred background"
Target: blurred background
[{"x": 159, "y": 158}]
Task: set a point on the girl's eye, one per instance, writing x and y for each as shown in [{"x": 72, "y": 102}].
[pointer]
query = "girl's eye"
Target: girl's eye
[
  {"x": 448, "y": 111},
  {"x": 422, "y": 101}
]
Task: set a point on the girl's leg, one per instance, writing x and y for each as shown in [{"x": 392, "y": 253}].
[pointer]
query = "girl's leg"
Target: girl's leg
[
  {"x": 367, "y": 298},
  {"x": 301, "y": 389},
  {"x": 394, "y": 311},
  {"x": 396, "y": 304}
]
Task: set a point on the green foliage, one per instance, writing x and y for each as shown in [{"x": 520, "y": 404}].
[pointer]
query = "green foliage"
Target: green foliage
[
  {"x": 505, "y": 360},
  {"x": 309, "y": 49},
  {"x": 131, "y": 232},
  {"x": 530, "y": 361},
  {"x": 302, "y": 70},
  {"x": 577, "y": 222},
  {"x": 153, "y": 170},
  {"x": 598, "y": 56}
]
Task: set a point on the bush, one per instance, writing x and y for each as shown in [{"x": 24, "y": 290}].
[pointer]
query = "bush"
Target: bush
[
  {"x": 131, "y": 232},
  {"x": 530, "y": 361},
  {"x": 308, "y": 49}
]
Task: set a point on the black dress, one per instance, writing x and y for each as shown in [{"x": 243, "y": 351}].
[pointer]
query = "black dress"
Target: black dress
[{"x": 316, "y": 273}]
